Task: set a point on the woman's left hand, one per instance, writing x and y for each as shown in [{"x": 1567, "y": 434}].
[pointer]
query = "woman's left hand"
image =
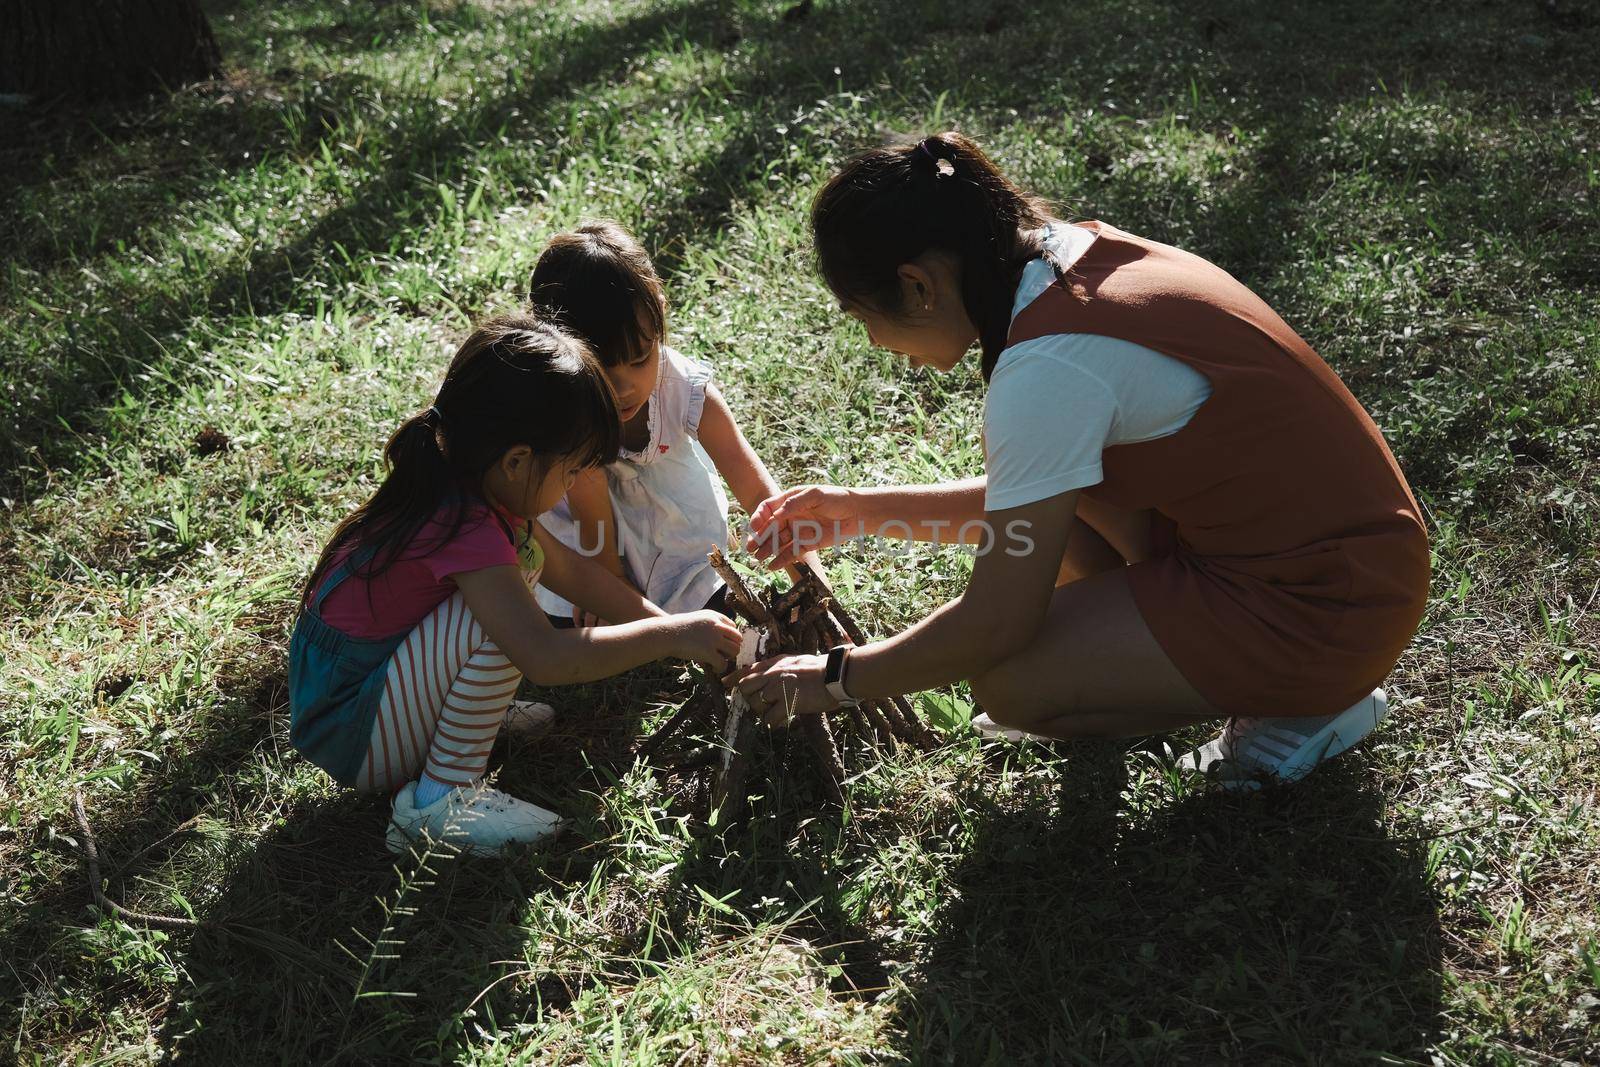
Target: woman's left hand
[{"x": 782, "y": 687}]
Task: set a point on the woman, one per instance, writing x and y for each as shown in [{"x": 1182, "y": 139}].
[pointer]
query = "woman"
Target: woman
[{"x": 1185, "y": 515}]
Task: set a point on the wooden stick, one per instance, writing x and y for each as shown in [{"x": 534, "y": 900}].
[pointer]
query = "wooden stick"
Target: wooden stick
[
  {"x": 820, "y": 736},
  {"x": 704, "y": 694},
  {"x": 747, "y": 602},
  {"x": 728, "y": 792},
  {"x": 851, "y": 630},
  {"x": 790, "y": 598},
  {"x": 927, "y": 739}
]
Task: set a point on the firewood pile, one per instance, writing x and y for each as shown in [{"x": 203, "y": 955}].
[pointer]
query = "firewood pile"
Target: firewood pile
[{"x": 805, "y": 618}]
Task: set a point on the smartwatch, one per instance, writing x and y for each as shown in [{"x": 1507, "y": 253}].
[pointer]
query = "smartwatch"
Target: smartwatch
[{"x": 833, "y": 676}]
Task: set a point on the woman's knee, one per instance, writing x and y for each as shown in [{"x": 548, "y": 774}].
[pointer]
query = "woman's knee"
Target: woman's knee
[{"x": 1005, "y": 696}]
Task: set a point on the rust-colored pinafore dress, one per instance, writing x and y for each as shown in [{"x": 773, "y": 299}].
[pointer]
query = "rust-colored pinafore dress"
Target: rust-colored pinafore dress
[{"x": 1292, "y": 561}]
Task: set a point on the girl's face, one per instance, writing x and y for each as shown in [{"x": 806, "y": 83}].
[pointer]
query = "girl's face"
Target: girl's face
[
  {"x": 634, "y": 380},
  {"x": 934, "y": 329},
  {"x": 527, "y": 487}
]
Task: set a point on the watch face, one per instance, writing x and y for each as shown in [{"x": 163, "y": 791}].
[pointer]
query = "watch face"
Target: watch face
[{"x": 831, "y": 672}]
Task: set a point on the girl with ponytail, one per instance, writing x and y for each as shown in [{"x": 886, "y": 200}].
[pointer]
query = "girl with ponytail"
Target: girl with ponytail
[
  {"x": 1184, "y": 514},
  {"x": 419, "y": 622}
]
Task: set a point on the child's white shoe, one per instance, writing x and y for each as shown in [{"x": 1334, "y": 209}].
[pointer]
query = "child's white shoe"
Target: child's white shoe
[
  {"x": 475, "y": 819},
  {"x": 526, "y": 719},
  {"x": 1250, "y": 751},
  {"x": 989, "y": 728}
]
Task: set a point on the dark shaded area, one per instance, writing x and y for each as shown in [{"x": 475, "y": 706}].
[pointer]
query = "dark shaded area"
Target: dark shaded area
[
  {"x": 104, "y": 49},
  {"x": 1212, "y": 930}
]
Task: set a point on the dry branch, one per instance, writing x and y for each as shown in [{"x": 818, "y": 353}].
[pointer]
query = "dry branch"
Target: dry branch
[{"x": 805, "y": 618}]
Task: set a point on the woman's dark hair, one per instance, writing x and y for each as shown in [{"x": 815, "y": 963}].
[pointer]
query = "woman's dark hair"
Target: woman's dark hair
[
  {"x": 598, "y": 282},
  {"x": 889, "y": 205},
  {"x": 518, "y": 380}
]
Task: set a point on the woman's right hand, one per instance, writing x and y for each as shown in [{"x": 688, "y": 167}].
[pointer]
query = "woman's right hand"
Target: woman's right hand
[
  {"x": 803, "y": 519},
  {"x": 707, "y": 637}
]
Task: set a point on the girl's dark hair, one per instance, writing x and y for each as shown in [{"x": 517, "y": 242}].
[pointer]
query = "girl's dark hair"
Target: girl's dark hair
[
  {"x": 518, "y": 380},
  {"x": 598, "y": 282},
  {"x": 889, "y": 205}
]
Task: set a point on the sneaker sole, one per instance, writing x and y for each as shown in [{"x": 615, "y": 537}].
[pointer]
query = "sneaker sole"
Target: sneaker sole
[
  {"x": 1337, "y": 737},
  {"x": 400, "y": 842}
]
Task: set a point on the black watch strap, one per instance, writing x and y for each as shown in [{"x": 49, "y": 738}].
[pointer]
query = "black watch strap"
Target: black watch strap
[{"x": 833, "y": 675}]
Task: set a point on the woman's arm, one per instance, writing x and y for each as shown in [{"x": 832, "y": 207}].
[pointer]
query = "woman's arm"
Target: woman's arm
[
  {"x": 811, "y": 517},
  {"x": 1000, "y": 614},
  {"x": 504, "y": 606},
  {"x": 589, "y": 585},
  {"x": 590, "y": 501}
]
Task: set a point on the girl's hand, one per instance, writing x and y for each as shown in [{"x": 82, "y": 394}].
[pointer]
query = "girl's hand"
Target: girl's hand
[
  {"x": 785, "y": 686},
  {"x": 707, "y": 637},
  {"x": 800, "y": 520}
]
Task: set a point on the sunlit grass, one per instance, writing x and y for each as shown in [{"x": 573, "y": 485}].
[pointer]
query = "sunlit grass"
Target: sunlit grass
[{"x": 287, "y": 259}]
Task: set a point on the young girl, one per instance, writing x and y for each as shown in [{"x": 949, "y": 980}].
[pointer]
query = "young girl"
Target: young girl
[
  {"x": 649, "y": 517},
  {"x": 418, "y": 623},
  {"x": 1185, "y": 516}
]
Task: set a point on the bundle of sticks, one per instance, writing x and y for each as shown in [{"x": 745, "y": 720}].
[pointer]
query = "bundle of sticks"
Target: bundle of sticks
[{"x": 805, "y": 618}]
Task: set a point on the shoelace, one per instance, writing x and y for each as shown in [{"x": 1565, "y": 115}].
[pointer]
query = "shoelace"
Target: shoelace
[
  {"x": 489, "y": 799},
  {"x": 1237, "y": 726}
]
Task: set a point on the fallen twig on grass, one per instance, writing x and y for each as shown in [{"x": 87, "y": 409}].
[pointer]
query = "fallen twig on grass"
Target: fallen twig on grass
[{"x": 91, "y": 859}]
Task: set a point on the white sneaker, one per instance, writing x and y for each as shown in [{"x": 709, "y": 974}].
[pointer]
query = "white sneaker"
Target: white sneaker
[
  {"x": 475, "y": 819},
  {"x": 989, "y": 728},
  {"x": 526, "y": 719},
  {"x": 1252, "y": 750}
]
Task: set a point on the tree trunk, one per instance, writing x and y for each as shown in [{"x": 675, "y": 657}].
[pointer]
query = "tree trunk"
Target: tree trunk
[{"x": 100, "y": 49}]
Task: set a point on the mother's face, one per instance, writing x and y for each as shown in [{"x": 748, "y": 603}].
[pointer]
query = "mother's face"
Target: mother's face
[{"x": 933, "y": 329}]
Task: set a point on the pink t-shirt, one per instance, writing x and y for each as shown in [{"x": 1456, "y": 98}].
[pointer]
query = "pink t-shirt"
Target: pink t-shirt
[{"x": 420, "y": 579}]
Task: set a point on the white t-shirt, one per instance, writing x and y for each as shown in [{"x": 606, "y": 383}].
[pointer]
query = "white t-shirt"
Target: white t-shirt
[{"x": 1056, "y": 402}]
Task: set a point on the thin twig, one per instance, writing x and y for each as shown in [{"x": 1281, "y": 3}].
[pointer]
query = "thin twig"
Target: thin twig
[{"x": 91, "y": 859}]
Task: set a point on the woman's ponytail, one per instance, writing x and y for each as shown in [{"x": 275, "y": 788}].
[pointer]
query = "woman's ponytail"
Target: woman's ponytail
[{"x": 888, "y": 206}]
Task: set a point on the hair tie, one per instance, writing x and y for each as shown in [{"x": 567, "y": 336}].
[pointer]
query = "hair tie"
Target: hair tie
[
  {"x": 438, "y": 416},
  {"x": 942, "y": 168}
]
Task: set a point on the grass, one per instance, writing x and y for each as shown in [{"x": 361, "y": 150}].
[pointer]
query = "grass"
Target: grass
[{"x": 284, "y": 259}]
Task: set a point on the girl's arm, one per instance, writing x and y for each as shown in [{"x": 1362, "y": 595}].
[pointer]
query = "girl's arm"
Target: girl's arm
[
  {"x": 736, "y": 461},
  {"x": 588, "y": 584},
  {"x": 590, "y": 501},
  {"x": 505, "y": 607}
]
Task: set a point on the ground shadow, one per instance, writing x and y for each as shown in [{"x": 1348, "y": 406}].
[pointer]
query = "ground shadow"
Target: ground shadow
[
  {"x": 1287, "y": 926},
  {"x": 101, "y": 352}
]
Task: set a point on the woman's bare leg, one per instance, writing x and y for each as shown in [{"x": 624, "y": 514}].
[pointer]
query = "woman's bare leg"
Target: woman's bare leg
[{"x": 1095, "y": 670}]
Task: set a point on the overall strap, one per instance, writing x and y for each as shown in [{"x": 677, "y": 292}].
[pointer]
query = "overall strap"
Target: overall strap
[{"x": 337, "y": 576}]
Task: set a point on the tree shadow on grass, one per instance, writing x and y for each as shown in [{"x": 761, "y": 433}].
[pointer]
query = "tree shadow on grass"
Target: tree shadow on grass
[
  {"x": 1284, "y": 926},
  {"x": 89, "y": 357}
]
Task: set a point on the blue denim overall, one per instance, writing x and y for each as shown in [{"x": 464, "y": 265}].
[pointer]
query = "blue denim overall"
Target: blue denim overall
[{"x": 335, "y": 684}]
